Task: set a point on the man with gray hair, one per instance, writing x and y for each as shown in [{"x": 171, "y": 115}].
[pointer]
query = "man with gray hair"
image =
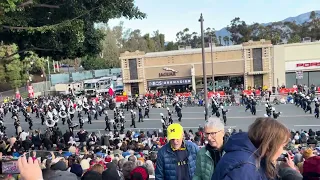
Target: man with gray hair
[{"x": 209, "y": 156}]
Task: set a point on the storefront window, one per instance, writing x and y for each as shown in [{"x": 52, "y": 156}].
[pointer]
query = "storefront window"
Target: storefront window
[
  {"x": 305, "y": 80},
  {"x": 258, "y": 80},
  {"x": 308, "y": 79},
  {"x": 290, "y": 79},
  {"x": 314, "y": 78}
]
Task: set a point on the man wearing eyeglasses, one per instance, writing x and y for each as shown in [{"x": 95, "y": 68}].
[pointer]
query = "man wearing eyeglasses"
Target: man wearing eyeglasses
[
  {"x": 177, "y": 159},
  {"x": 209, "y": 156}
]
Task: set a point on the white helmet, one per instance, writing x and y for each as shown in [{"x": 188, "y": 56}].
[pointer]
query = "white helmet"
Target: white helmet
[
  {"x": 131, "y": 110},
  {"x": 133, "y": 113},
  {"x": 266, "y": 105},
  {"x": 273, "y": 109},
  {"x": 221, "y": 107},
  {"x": 168, "y": 108},
  {"x": 161, "y": 114}
]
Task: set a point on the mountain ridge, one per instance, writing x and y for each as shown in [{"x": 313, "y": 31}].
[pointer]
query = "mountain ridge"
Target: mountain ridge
[{"x": 299, "y": 19}]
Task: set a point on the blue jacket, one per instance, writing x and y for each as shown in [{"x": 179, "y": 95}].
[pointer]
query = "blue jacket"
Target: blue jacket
[
  {"x": 166, "y": 166},
  {"x": 239, "y": 161}
]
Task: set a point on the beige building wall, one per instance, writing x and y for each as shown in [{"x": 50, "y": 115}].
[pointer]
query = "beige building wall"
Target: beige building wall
[
  {"x": 288, "y": 55},
  {"x": 302, "y": 51},
  {"x": 249, "y": 73},
  {"x": 278, "y": 65},
  {"x": 227, "y": 61}
]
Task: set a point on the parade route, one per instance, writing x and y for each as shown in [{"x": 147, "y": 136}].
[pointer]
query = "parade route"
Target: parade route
[{"x": 293, "y": 117}]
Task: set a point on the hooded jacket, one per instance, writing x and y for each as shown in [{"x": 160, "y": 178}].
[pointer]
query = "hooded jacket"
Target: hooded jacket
[
  {"x": 166, "y": 167},
  {"x": 239, "y": 161}
]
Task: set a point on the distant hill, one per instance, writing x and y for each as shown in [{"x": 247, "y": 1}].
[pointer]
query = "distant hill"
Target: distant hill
[{"x": 300, "y": 19}]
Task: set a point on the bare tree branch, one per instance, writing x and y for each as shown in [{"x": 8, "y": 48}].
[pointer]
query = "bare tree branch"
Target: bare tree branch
[
  {"x": 30, "y": 2},
  {"x": 47, "y": 6},
  {"x": 28, "y": 49},
  {"x": 27, "y": 3}
]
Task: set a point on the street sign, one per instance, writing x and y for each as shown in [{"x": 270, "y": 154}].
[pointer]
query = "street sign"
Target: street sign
[{"x": 299, "y": 74}]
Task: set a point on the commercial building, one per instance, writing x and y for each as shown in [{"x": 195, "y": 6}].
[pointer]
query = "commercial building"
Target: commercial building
[
  {"x": 297, "y": 63},
  {"x": 249, "y": 64}
]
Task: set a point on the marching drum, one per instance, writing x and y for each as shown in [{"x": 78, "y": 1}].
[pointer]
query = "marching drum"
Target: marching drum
[
  {"x": 50, "y": 122},
  {"x": 71, "y": 110},
  {"x": 62, "y": 114},
  {"x": 79, "y": 108}
]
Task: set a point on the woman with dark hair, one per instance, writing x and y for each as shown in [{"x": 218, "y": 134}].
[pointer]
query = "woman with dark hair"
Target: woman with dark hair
[{"x": 253, "y": 155}]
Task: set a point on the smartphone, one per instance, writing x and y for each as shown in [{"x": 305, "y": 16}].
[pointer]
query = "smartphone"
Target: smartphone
[
  {"x": 10, "y": 167},
  {"x": 283, "y": 157},
  {"x": 146, "y": 152}
]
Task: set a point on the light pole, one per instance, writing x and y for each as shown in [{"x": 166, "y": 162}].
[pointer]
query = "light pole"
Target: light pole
[
  {"x": 213, "y": 85},
  {"x": 48, "y": 78},
  {"x": 204, "y": 69}
]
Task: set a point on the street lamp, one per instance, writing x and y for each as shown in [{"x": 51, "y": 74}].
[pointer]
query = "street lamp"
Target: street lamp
[{"x": 204, "y": 69}]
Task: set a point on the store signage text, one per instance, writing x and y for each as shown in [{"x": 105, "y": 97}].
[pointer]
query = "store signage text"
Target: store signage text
[
  {"x": 313, "y": 64},
  {"x": 169, "y": 72},
  {"x": 169, "y": 82}
]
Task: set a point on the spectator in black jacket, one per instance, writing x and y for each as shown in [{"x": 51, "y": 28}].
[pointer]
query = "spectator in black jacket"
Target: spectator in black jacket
[{"x": 82, "y": 134}]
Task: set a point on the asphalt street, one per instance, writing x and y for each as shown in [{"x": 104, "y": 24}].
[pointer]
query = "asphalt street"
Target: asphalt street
[{"x": 292, "y": 117}]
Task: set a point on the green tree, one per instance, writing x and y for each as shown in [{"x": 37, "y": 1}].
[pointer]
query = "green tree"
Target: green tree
[
  {"x": 110, "y": 51},
  {"x": 15, "y": 69},
  {"x": 295, "y": 39},
  {"x": 226, "y": 40},
  {"x": 93, "y": 63},
  {"x": 60, "y": 29},
  {"x": 209, "y": 35},
  {"x": 220, "y": 39},
  {"x": 240, "y": 31},
  {"x": 171, "y": 46}
]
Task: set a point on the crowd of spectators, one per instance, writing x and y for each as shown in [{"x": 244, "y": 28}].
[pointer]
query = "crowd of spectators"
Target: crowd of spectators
[{"x": 267, "y": 151}]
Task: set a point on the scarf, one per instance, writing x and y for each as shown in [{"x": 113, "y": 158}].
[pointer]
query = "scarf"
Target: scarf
[{"x": 215, "y": 154}]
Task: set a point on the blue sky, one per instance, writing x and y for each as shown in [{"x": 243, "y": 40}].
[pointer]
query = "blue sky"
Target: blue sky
[{"x": 171, "y": 16}]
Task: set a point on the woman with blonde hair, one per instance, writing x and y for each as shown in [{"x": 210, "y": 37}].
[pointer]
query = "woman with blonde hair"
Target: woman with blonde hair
[{"x": 253, "y": 155}]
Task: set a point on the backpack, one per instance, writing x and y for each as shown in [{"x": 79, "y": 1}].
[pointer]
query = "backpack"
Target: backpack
[{"x": 311, "y": 168}]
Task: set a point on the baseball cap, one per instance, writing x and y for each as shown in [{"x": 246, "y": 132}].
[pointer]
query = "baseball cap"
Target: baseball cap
[{"x": 174, "y": 131}]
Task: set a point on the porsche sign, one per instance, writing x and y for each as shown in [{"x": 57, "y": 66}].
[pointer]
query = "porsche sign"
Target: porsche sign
[
  {"x": 308, "y": 64},
  {"x": 302, "y": 65}
]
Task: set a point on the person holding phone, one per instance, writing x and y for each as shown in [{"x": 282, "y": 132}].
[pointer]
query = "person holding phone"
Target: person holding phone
[
  {"x": 29, "y": 169},
  {"x": 287, "y": 169}
]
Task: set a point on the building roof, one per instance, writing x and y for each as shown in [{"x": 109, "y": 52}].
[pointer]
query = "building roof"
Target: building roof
[
  {"x": 193, "y": 51},
  {"x": 91, "y": 81}
]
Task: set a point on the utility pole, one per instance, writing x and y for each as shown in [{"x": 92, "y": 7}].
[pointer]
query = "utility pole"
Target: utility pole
[
  {"x": 204, "y": 69},
  {"x": 213, "y": 85},
  {"x": 48, "y": 79}
]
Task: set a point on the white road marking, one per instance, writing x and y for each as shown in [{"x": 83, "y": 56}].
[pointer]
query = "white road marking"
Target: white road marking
[
  {"x": 306, "y": 125},
  {"x": 199, "y": 118},
  {"x": 195, "y": 127},
  {"x": 247, "y": 111}
]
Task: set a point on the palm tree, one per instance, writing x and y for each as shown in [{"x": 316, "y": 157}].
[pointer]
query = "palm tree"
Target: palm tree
[
  {"x": 226, "y": 40},
  {"x": 220, "y": 40}
]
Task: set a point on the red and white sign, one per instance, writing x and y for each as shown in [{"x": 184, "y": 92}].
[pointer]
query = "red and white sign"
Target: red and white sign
[
  {"x": 302, "y": 65},
  {"x": 30, "y": 91}
]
